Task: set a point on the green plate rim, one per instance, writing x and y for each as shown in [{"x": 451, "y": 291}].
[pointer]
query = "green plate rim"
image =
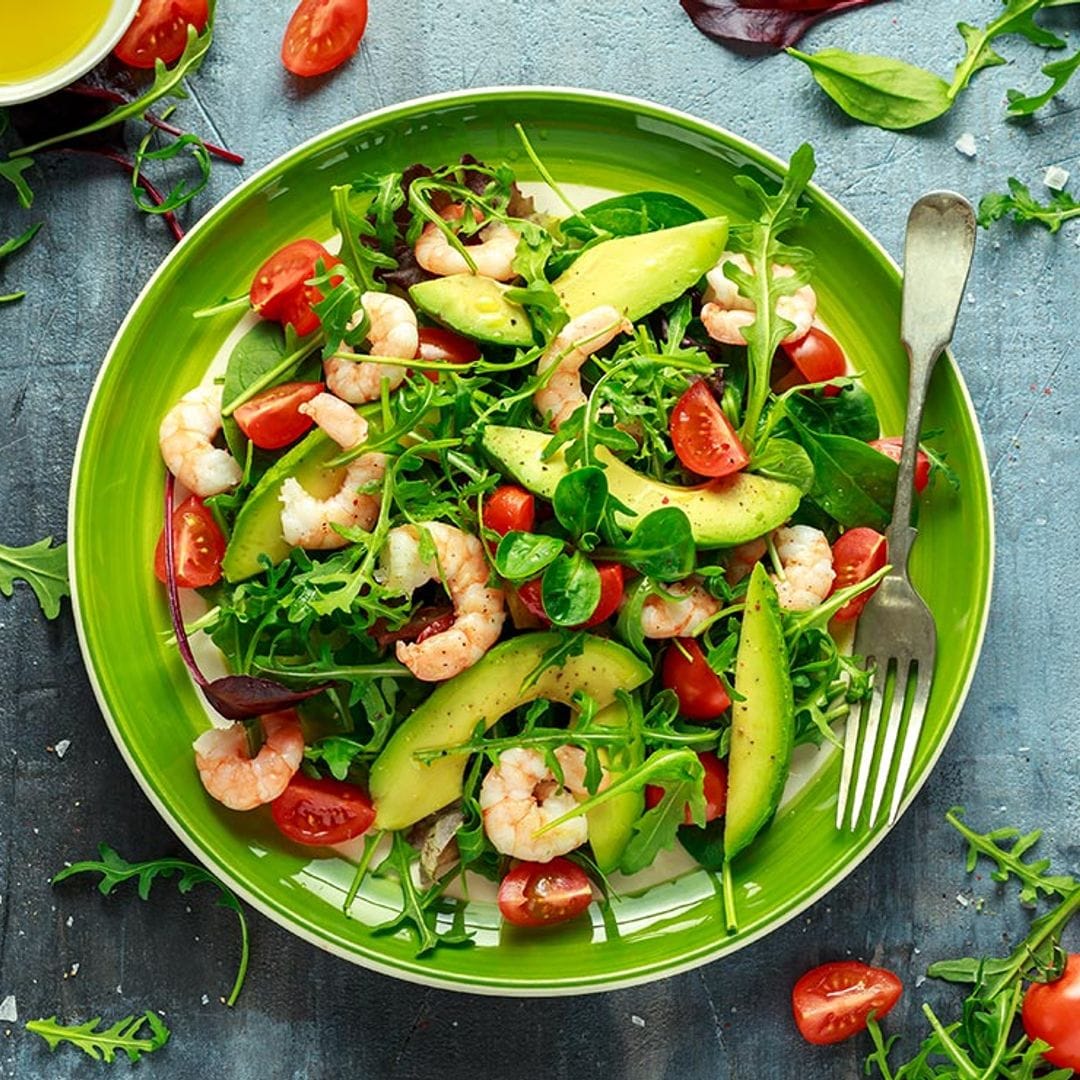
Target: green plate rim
[{"x": 500, "y": 985}]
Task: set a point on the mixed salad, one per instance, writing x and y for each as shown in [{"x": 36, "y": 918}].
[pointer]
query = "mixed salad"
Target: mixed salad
[{"x": 526, "y": 536}]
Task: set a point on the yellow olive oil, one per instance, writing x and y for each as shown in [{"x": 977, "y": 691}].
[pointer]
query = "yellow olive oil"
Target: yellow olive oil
[{"x": 39, "y": 36}]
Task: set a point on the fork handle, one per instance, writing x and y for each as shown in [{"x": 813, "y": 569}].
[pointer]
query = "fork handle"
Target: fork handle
[{"x": 938, "y": 247}]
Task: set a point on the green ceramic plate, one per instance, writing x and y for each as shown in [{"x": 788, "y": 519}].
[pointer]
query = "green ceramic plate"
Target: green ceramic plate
[{"x": 160, "y": 352}]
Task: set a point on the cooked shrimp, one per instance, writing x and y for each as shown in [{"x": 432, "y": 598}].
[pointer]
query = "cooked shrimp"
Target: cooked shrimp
[
  {"x": 562, "y": 395},
  {"x": 185, "y": 437},
  {"x": 726, "y": 311},
  {"x": 807, "y": 560},
  {"x": 493, "y": 257},
  {"x": 478, "y": 609},
  {"x": 741, "y": 559},
  {"x": 393, "y": 333},
  {"x": 520, "y": 795},
  {"x": 665, "y": 618},
  {"x": 308, "y": 522},
  {"x": 242, "y": 782}
]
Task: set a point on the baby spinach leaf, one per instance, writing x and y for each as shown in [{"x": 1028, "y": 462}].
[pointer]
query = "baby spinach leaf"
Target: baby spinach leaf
[
  {"x": 705, "y": 844},
  {"x": 43, "y": 567},
  {"x": 851, "y": 412},
  {"x": 629, "y": 215},
  {"x": 256, "y": 354},
  {"x": 661, "y": 546},
  {"x": 570, "y": 590},
  {"x": 1059, "y": 72},
  {"x": 579, "y": 500},
  {"x": 878, "y": 90},
  {"x": 1024, "y": 207},
  {"x": 784, "y": 460},
  {"x": 522, "y": 555}
]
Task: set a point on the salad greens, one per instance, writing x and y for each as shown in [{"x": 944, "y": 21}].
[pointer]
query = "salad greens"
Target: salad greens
[
  {"x": 1019, "y": 204},
  {"x": 43, "y": 567},
  {"x": 9, "y": 247},
  {"x": 134, "y": 1036}
]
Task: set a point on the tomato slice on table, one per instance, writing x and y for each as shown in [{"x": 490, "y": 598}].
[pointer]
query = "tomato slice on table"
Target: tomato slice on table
[
  {"x": 832, "y": 1002},
  {"x": 537, "y": 894},
  {"x": 714, "y": 787},
  {"x": 279, "y": 290},
  {"x": 857, "y": 554},
  {"x": 818, "y": 357},
  {"x": 703, "y": 437},
  {"x": 893, "y": 447},
  {"x": 611, "y": 594},
  {"x": 323, "y": 34},
  {"x": 159, "y": 31},
  {"x": 699, "y": 689},
  {"x": 509, "y": 508},
  {"x": 1051, "y": 1012},
  {"x": 198, "y": 546},
  {"x": 273, "y": 419},
  {"x": 323, "y": 811}
]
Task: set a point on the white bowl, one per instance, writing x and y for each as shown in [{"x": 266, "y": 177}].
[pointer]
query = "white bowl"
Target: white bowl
[{"x": 116, "y": 22}]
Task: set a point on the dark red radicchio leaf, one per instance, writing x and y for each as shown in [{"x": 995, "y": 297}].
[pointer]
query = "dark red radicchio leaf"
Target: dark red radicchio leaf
[{"x": 778, "y": 24}]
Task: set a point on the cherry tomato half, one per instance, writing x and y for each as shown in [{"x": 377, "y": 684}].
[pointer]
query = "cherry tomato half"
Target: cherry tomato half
[
  {"x": 509, "y": 508},
  {"x": 700, "y": 692},
  {"x": 714, "y": 787},
  {"x": 445, "y": 347},
  {"x": 857, "y": 554},
  {"x": 279, "y": 290},
  {"x": 529, "y": 593},
  {"x": 893, "y": 446},
  {"x": 273, "y": 419},
  {"x": 323, "y": 34},
  {"x": 833, "y": 1001},
  {"x": 323, "y": 811},
  {"x": 818, "y": 357},
  {"x": 159, "y": 31},
  {"x": 1052, "y": 1013},
  {"x": 536, "y": 894},
  {"x": 703, "y": 438},
  {"x": 611, "y": 593},
  {"x": 198, "y": 546}
]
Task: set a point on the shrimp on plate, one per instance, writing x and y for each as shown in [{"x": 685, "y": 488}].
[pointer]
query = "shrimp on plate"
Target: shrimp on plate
[
  {"x": 520, "y": 795},
  {"x": 478, "y": 609},
  {"x": 726, "y": 311},
  {"x": 805, "y": 558},
  {"x": 664, "y": 617},
  {"x": 308, "y": 522},
  {"x": 186, "y": 439},
  {"x": 493, "y": 257},
  {"x": 561, "y": 395},
  {"x": 239, "y": 781},
  {"x": 393, "y": 333}
]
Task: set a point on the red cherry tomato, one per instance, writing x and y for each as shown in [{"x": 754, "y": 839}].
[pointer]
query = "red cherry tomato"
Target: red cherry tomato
[
  {"x": 198, "y": 546},
  {"x": 323, "y": 34},
  {"x": 273, "y": 419},
  {"x": 536, "y": 894},
  {"x": 714, "y": 787},
  {"x": 278, "y": 290},
  {"x": 703, "y": 438},
  {"x": 700, "y": 692},
  {"x": 857, "y": 554},
  {"x": 833, "y": 1001},
  {"x": 611, "y": 594},
  {"x": 159, "y": 31},
  {"x": 509, "y": 508},
  {"x": 1052, "y": 1013},
  {"x": 893, "y": 446},
  {"x": 818, "y": 357},
  {"x": 530, "y": 595},
  {"x": 322, "y": 811},
  {"x": 445, "y": 347}
]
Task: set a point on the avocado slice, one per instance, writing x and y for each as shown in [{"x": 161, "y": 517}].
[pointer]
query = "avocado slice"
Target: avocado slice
[
  {"x": 611, "y": 823},
  {"x": 762, "y": 718},
  {"x": 476, "y": 307},
  {"x": 724, "y": 512},
  {"x": 257, "y": 529},
  {"x": 404, "y": 790},
  {"x": 636, "y": 274}
]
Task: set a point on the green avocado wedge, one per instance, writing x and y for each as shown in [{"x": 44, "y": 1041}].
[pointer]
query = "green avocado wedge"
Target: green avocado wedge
[
  {"x": 405, "y": 790},
  {"x": 762, "y": 718},
  {"x": 475, "y": 306},
  {"x": 636, "y": 274},
  {"x": 721, "y": 513},
  {"x": 611, "y": 823}
]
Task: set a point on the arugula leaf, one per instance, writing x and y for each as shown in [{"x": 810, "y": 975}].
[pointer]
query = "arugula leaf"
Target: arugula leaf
[
  {"x": 570, "y": 589},
  {"x": 42, "y": 567},
  {"x": 115, "y": 870},
  {"x": 125, "y": 1036},
  {"x": 1023, "y": 207},
  {"x": 182, "y": 192},
  {"x": 657, "y": 829},
  {"x": 1059, "y": 72},
  {"x": 337, "y": 753},
  {"x": 570, "y": 643},
  {"x": 9, "y": 247},
  {"x": 12, "y": 170},
  {"x": 521, "y": 555},
  {"x": 361, "y": 258}
]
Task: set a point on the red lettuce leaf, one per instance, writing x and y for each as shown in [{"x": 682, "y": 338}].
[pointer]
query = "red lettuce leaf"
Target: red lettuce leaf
[{"x": 778, "y": 23}]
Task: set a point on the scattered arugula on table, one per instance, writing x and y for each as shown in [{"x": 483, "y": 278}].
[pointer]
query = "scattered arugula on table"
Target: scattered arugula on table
[
  {"x": 115, "y": 870},
  {"x": 134, "y": 1036},
  {"x": 9, "y": 247},
  {"x": 43, "y": 567},
  {"x": 1019, "y": 204}
]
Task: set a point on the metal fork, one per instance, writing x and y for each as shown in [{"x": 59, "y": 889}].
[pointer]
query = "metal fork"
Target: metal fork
[{"x": 896, "y": 629}]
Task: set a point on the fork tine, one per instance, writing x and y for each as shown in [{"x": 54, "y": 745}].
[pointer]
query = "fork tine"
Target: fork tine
[
  {"x": 866, "y": 758},
  {"x": 847, "y": 765},
  {"x": 892, "y": 732},
  {"x": 923, "y": 678}
]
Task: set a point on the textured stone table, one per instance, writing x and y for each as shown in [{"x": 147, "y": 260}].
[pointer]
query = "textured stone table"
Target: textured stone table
[{"x": 1012, "y": 760}]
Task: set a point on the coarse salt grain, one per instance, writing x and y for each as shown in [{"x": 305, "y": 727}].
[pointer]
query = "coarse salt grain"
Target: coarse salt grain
[
  {"x": 1055, "y": 177},
  {"x": 8, "y": 1010},
  {"x": 61, "y": 747},
  {"x": 966, "y": 145},
  {"x": 637, "y": 1021}
]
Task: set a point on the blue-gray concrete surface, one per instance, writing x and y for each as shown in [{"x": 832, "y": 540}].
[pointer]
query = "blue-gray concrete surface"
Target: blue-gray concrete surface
[{"x": 1012, "y": 760}]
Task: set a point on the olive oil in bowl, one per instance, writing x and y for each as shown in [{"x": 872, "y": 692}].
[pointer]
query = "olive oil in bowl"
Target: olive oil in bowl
[{"x": 36, "y": 38}]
